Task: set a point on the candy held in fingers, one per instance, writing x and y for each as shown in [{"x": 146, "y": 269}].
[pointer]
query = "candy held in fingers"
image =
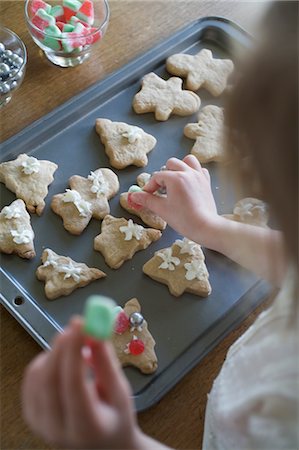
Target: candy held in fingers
[
  {"x": 99, "y": 317},
  {"x": 132, "y": 204}
]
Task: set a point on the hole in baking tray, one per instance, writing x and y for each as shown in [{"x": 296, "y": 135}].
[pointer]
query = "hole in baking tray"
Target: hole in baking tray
[{"x": 19, "y": 300}]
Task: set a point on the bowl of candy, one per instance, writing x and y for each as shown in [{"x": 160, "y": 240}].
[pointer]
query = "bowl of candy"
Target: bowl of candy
[
  {"x": 13, "y": 57},
  {"x": 67, "y": 30}
]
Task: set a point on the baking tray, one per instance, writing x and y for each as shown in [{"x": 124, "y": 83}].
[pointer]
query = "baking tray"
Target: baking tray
[{"x": 185, "y": 328}]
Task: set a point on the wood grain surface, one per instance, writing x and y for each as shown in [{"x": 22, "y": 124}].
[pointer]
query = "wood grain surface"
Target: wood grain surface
[{"x": 135, "y": 26}]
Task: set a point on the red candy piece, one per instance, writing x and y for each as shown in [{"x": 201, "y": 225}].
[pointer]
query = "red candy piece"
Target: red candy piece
[
  {"x": 86, "y": 12},
  {"x": 37, "y": 4},
  {"x": 136, "y": 347},
  {"x": 122, "y": 323},
  {"x": 132, "y": 204},
  {"x": 68, "y": 13},
  {"x": 60, "y": 25},
  {"x": 92, "y": 35}
]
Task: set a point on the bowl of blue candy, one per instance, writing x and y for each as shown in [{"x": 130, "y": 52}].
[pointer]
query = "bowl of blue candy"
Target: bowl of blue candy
[{"x": 13, "y": 57}]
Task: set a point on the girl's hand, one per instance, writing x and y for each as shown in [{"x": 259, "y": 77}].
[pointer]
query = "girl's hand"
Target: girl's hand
[
  {"x": 189, "y": 206},
  {"x": 63, "y": 405}
]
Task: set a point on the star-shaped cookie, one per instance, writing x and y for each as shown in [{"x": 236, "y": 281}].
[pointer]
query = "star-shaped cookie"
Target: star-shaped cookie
[
  {"x": 16, "y": 234},
  {"x": 209, "y": 135},
  {"x": 120, "y": 239},
  {"x": 125, "y": 144},
  {"x": 132, "y": 341},
  {"x": 201, "y": 70},
  {"x": 28, "y": 178},
  {"x": 62, "y": 275},
  {"x": 87, "y": 198},
  {"x": 181, "y": 267},
  {"x": 251, "y": 211},
  {"x": 164, "y": 97}
]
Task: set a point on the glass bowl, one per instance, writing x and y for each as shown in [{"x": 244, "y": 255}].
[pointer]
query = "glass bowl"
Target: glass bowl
[
  {"x": 67, "y": 47},
  {"x": 13, "y": 57}
]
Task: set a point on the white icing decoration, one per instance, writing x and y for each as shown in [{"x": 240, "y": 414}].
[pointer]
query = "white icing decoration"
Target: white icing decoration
[
  {"x": 247, "y": 209},
  {"x": 22, "y": 236},
  {"x": 133, "y": 134},
  {"x": 99, "y": 184},
  {"x": 11, "y": 212},
  {"x": 187, "y": 246},
  {"x": 193, "y": 270},
  {"x": 169, "y": 261},
  {"x": 132, "y": 230},
  {"x": 30, "y": 166},
  {"x": 52, "y": 260},
  {"x": 73, "y": 196},
  {"x": 70, "y": 271}
]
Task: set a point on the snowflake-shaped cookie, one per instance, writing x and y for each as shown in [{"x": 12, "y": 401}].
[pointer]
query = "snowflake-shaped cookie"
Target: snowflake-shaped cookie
[
  {"x": 201, "y": 70},
  {"x": 165, "y": 97},
  {"x": 125, "y": 144},
  {"x": 182, "y": 271},
  {"x": 209, "y": 135},
  {"x": 251, "y": 211},
  {"x": 118, "y": 242},
  {"x": 87, "y": 198},
  {"x": 28, "y": 178},
  {"x": 62, "y": 275},
  {"x": 16, "y": 234}
]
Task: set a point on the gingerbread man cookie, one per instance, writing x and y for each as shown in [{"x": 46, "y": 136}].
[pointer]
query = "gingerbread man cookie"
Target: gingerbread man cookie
[
  {"x": 16, "y": 234},
  {"x": 87, "y": 198},
  {"x": 251, "y": 211},
  {"x": 132, "y": 341},
  {"x": 201, "y": 70},
  {"x": 62, "y": 275},
  {"x": 181, "y": 267},
  {"x": 164, "y": 97},
  {"x": 29, "y": 179},
  {"x": 209, "y": 135},
  {"x": 120, "y": 239},
  {"x": 125, "y": 144}
]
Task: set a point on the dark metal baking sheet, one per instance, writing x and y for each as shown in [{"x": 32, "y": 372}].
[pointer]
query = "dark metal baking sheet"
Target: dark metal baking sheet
[{"x": 185, "y": 328}]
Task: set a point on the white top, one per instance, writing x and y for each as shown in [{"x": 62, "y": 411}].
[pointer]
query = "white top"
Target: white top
[{"x": 254, "y": 401}]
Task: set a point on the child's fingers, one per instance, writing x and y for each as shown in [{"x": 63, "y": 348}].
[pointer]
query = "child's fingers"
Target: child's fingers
[
  {"x": 192, "y": 162},
  {"x": 175, "y": 164},
  {"x": 158, "y": 179},
  {"x": 150, "y": 201}
]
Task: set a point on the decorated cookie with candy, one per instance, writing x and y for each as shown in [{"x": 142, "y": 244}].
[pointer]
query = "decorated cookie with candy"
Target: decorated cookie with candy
[
  {"x": 132, "y": 341},
  {"x": 120, "y": 239},
  {"x": 28, "y": 178},
  {"x": 201, "y": 70},
  {"x": 16, "y": 234},
  {"x": 209, "y": 135},
  {"x": 125, "y": 144},
  {"x": 164, "y": 97},
  {"x": 87, "y": 198},
  {"x": 251, "y": 211},
  {"x": 181, "y": 267},
  {"x": 62, "y": 275}
]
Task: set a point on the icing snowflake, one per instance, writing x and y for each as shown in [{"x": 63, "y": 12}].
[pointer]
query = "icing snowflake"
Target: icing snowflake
[
  {"x": 193, "y": 270},
  {"x": 22, "y": 236},
  {"x": 30, "y": 166},
  {"x": 11, "y": 212},
  {"x": 133, "y": 134},
  {"x": 169, "y": 261},
  {"x": 51, "y": 260},
  {"x": 247, "y": 209},
  {"x": 99, "y": 184},
  {"x": 186, "y": 245},
  {"x": 132, "y": 230},
  {"x": 70, "y": 271},
  {"x": 73, "y": 196}
]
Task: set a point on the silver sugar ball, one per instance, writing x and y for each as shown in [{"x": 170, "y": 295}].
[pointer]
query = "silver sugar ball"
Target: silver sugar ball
[
  {"x": 136, "y": 319},
  {"x": 18, "y": 75},
  {"x": 7, "y": 53},
  {"x": 13, "y": 85},
  {"x": 4, "y": 69},
  {"x": 18, "y": 61},
  {"x": 2, "y": 47},
  {"x": 5, "y": 88}
]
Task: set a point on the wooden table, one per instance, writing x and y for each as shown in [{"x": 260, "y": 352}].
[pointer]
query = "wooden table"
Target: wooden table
[{"x": 135, "y": 26}]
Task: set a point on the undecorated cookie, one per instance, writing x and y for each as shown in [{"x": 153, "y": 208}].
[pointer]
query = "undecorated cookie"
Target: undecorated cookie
[
  {"x": 201, "y": 70},
  {"x": 16, "y": 234},
  {"x": 62, "y": 275},
  {"x": 120, "y": 239},
  {"x": 251, "y": 211},
  {"x": 181, "y": 267},
  {"x": 132, "y": 341},
  {"x": 29, "y": 179},
  {"x": 87, "y": 198},
  {"x": 125, "y": 144},
  {"x": 164, "y": 97}
]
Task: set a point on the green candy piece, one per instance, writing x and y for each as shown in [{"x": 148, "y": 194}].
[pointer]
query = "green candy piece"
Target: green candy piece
[
  {"x": 51, "y": 34},
  {"x": 99, "y": 316},
  {"x": 67, "y": 27},
  {"x": 134, "y": 188}
]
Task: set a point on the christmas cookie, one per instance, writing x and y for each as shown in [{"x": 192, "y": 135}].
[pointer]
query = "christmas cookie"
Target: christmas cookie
[
  {"x": 181, "y": 267},
  {"x": 16, "y": 234},
  {"x": 201, "y": 70},
  {"x": 133, "y": 343},
  {"x": 29, "y": 179},
  {"x": 164, "y": 97},
  {"x": 125, "y": 144},
  {"x": 120, "y": 239},
  {"x": 87, "y": 198},
  {"x": 251, "y": 211},
  {"x": 62, "y": 275},
  {"x": 209, "y": 135},
  {"x": 147, "y": 216}
]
